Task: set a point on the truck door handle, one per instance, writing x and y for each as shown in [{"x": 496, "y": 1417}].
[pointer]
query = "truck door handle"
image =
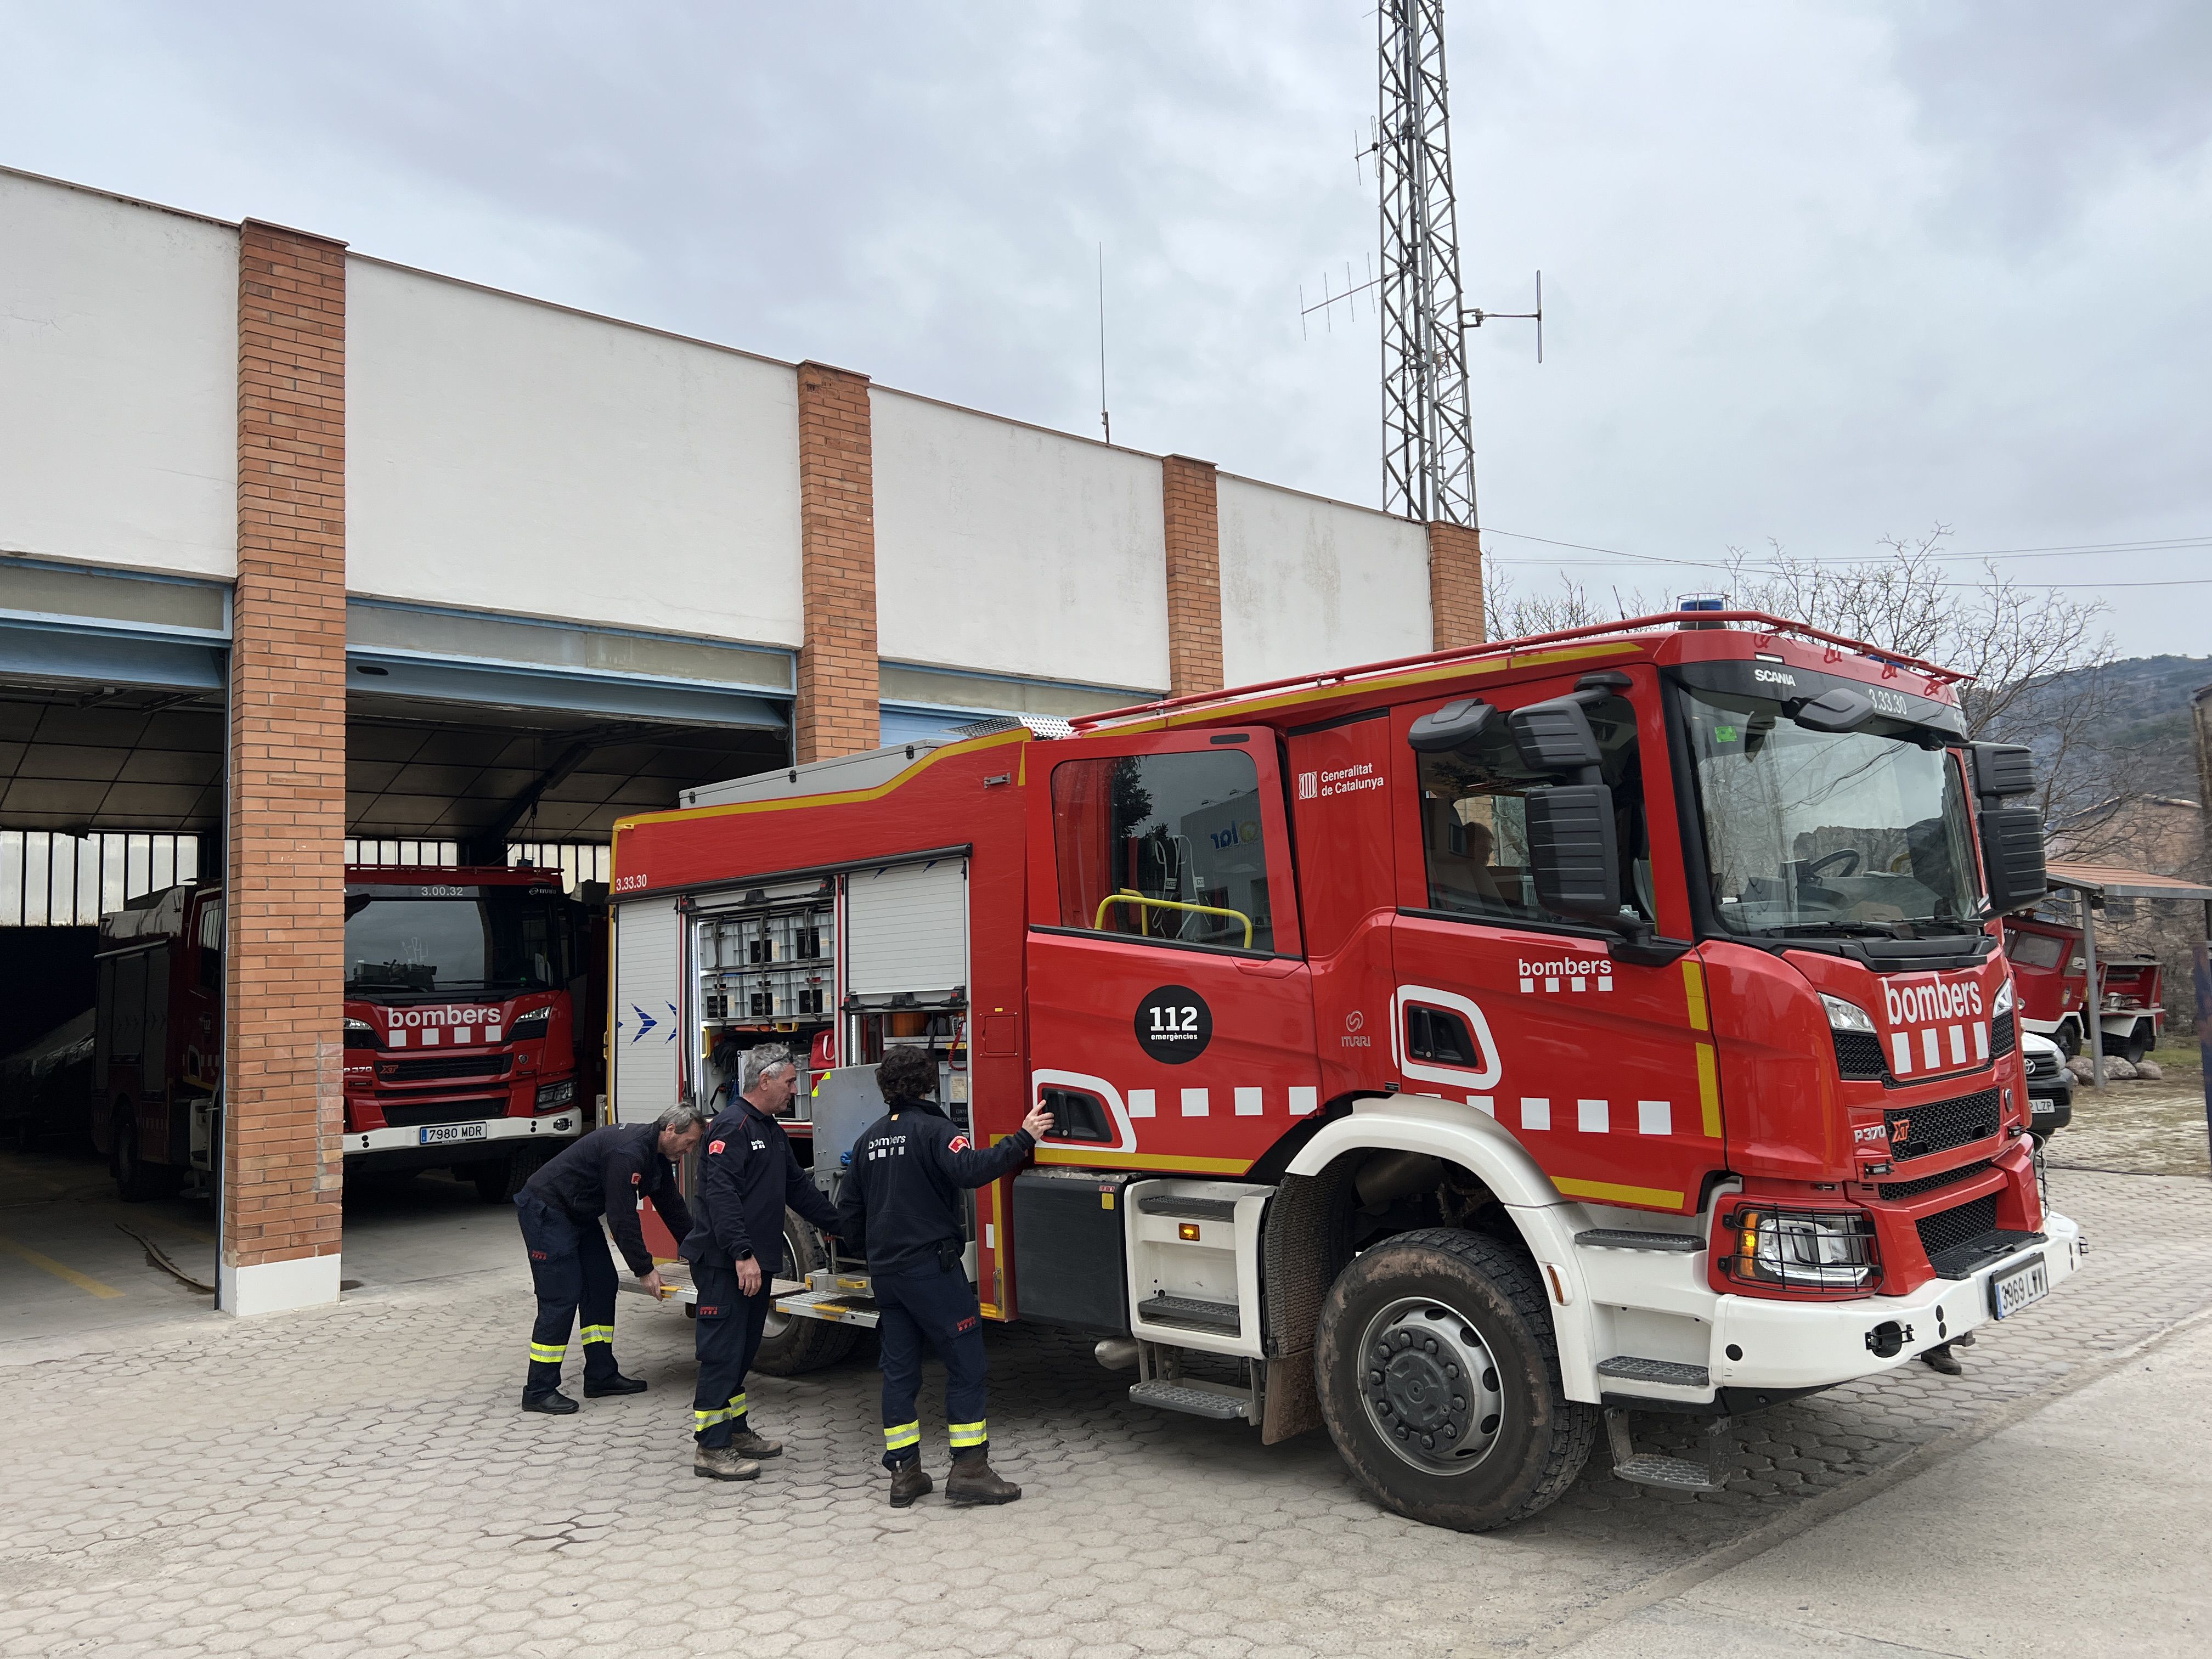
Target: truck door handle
[{"x": 1272, "y": 967}]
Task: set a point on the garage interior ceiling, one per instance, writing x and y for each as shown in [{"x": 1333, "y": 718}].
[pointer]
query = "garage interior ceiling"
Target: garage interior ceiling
[{"x": 75, "y": 757}]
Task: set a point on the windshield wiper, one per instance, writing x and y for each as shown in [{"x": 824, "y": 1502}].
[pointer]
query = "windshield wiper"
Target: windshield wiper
[{"x": 1837, "y": 930}]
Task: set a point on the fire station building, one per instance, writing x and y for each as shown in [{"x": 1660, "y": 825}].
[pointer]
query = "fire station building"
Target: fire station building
[{"x": 302, "y": 551}]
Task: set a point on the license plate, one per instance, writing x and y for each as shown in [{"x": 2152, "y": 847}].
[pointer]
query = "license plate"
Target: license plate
[
  {"x": 438, "y": 1135},
  {"x": 2010, "y": 1293},
  {"x": 2042, "y": 1107}
]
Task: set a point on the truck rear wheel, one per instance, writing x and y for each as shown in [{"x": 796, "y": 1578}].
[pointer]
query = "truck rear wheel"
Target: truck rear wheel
[
  {"x": 1439, "y": 1381},
  {"x": 135, "y": 1179},
  {"x": 790, "y": 1345}
]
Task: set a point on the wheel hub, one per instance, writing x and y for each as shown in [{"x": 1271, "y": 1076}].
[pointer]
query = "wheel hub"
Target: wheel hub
[{"x": 1429, "y": 1386}]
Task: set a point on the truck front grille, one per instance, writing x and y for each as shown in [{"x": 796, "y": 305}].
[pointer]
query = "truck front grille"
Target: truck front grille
[
  {"x": 445, "y": 1066},
  {"x": 2004, "y": 1033},
  {"x": 1948, "y": 1228},
  {"x": 1858, "y": 1057},
  {"x": 1929, "y": 1183},
  {"x": 1917, "y": 1131}
]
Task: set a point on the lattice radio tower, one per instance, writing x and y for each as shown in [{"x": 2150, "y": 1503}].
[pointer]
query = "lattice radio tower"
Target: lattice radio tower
[{"x": 1428, "y": 434}]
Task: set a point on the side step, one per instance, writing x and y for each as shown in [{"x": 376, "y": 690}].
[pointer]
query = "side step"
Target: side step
[
  {"x": 1678, "y": 1474},
  {"x": 1200, "y": 1400},
  {"x": 1185, "y": 1208},
  {"x": 1610, "y": 1238},
  {"x": 1665, "y": 1372},
  {"x": 1191, "y": 1313},
  {"x": 840, "y": 1307}
]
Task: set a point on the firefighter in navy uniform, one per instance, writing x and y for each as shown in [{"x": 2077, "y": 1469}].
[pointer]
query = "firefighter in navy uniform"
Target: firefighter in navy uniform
[
  {"x": 901, "y": 1208},
  {"x": 605, "y": 1173},
  {"x": 747, "y": 1176}
]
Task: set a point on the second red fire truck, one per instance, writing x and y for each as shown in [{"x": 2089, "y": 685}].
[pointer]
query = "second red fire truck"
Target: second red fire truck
[
  {"x": 1475, "y": 1054},
  {"x": 472, "y": 1032}
]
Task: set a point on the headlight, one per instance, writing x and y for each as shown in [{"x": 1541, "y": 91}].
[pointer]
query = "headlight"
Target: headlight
[
  {"x": 1847, "y": 1016},
  {"x": 1804, "y": 1249},
  {"x": 555, "y": 1094},
  {"x": 530, "y": 1026},
  {"x": 359, "y": 1033},
  {"x": 2004, "y": 1004}
]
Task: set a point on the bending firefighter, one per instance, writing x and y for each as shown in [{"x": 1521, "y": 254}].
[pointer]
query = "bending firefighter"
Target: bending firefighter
[
  {"x": 746, "y": 1177},
  {"x": 901, "y": 1208},
  {"x": 606, "y": 1173}
]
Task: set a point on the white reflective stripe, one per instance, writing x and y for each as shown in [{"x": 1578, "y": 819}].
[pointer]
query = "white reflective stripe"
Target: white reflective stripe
[
  {"x": 1193, "y": 1103},
  {"x": 1930, "y": 1049},
  {"x": 1535, "y": 1113},
  {"x": 396, "y": 1038},
  {"x": 1486, "y": 1104},
  {"x": 1981, "y": 1042},
  {"x": 1900, "y": 1048},
  {"x": 1143, "y": 1102},
  {"x": 1592, "y": 1117},
  {"x": 1655, "y": 1117},
  {"x": 1302, "y": 1102},
  {"x": 430, "y": 1036},
  {"x": 1247, "y": 1103},
  {"x": 1958, "y": 1045}
]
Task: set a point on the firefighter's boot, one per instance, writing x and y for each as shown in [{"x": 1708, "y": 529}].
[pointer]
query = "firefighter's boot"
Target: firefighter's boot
[
  {"x": 1940, "y": 1360},
  {"x": 746, "y": 1444},
  {"x": 552, "y": 1402},
  {"x": 723, "y": 1464},
  {"x": 618, "y": 1384},
  {"x": 973, "y": 1481},
  {"x": 909, "y": 1482}
]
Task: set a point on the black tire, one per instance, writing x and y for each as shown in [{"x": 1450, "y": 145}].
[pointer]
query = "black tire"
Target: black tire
[
  {"x": 1454, "y": 1298},
  {"x": 789, "y": 1347},
  {"x": 2133, "y": 1048},
  {"x": 2068, "y": 1036},
  {"x": 135, "y": 1181},
  {"x": 498, "y": 1179}
]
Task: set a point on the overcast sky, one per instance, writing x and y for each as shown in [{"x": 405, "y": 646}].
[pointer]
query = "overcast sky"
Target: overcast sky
[{"x": 1814, "y": 272}]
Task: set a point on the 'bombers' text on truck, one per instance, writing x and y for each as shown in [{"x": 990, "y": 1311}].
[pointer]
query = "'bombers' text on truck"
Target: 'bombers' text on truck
[
  {"x": 1480, "y": 1055},
  {"x": 471, "y": 1037}
]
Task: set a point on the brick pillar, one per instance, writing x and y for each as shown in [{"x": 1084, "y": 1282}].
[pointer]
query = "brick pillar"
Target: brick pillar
[
  {"x": 1455, "y": 587},
  {"x": 286, "y": 882},
  {"x": 1192, "y": 510},
  {"x": 836, "y": 710}
]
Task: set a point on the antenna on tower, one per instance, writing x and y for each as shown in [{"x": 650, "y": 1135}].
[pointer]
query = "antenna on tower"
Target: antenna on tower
[{"x": 1428, "y": 438}]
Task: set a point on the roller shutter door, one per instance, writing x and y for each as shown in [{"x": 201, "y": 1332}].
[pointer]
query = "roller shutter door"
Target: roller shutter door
[
  {"x": 907, "y": 927},
  {"x": 649, "y": 967}
]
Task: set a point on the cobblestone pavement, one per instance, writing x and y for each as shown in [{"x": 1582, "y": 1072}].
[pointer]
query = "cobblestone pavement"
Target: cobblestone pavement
[{"x": 357, "y": 1479}]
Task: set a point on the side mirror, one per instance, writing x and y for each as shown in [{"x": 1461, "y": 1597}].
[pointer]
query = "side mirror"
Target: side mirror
[
  {"x": 2003, "y": 769},
  {"x": 2011, "y": 855},
  {"x": 1452, "y": 726},
  {"x": 1573, "y": 858},
  {"x": 1555, "y": 736}
]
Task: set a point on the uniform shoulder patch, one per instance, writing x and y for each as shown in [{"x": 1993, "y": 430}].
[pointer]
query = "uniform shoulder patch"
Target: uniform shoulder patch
[
  {"x": 714, "y": 1147},
  {"x": 958, "y": 1144}
]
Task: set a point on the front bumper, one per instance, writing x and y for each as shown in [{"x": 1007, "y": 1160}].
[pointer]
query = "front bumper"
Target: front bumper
[
  {"x": 1813, "y": 1345},
  {"x": 564, "y": 1125}
]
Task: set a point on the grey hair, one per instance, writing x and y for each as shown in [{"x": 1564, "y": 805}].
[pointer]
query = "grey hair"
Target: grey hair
[
  {"x": 682, "y": 1119},
  {"x": 759, "y": 1062}
]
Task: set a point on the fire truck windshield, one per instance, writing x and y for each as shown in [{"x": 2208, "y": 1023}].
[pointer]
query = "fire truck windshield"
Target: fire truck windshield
[
  {"x": 467, "y": 939},
  {"x": 1829, "y": 832}
]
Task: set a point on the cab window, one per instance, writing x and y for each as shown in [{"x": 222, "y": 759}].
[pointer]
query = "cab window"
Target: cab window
[
  {"x": 1166, "y": 848},
  {"x": 1474, "y": 821}
]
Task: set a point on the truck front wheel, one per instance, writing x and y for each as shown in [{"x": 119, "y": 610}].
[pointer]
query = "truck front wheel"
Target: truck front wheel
[
  {"x": 135, "y": 1181},
  {"x": 1439, "y": 1381}
]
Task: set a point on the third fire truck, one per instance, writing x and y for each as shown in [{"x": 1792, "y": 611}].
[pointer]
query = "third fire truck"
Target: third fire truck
[{"x": 1479, "y": 1055}]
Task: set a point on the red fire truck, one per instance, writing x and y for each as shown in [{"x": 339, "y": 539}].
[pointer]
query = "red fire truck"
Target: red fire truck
[
  {"x": 1469, "y": 1053},
  {"x": 2052, "y": 970},
  {"x": 471, "y": 1037}
]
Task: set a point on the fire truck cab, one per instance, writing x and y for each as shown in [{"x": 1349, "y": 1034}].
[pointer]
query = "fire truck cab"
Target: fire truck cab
[{"x": 1467, "y": 1054}]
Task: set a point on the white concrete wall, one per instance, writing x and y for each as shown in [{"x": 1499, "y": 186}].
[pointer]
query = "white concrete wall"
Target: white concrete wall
[
  {"x": 507, "y": 455},
  {"x": 118, "y": 381},
  {"x": 1308, "y": 584},
  {"x": 1006, "y": 550}
]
